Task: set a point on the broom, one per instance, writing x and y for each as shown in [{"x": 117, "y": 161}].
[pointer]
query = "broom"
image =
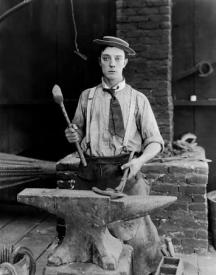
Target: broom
[{"x": 16, "y": 170}]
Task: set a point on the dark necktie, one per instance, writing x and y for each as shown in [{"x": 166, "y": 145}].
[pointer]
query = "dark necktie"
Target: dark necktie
[{"x": 116, "y": 123}]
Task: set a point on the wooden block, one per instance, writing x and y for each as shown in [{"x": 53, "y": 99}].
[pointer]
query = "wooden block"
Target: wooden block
[
  {"x": 124, "y": 267},
  {"x": 169, "y": 266}
]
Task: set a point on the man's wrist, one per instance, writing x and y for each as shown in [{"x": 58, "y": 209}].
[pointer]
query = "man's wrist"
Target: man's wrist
[{"x": 142, "y": 160}]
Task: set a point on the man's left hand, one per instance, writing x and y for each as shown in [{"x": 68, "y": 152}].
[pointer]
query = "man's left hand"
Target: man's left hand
[
  {"x": 150, "y": 151},
  {"x": 134, "y": 167}
]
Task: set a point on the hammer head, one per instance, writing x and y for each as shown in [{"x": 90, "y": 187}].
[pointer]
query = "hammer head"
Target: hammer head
[{"x": 57, "y": 94}]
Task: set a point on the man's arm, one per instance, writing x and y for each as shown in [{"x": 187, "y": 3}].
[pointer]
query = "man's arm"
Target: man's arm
[
  {"x": 75, "y": 133},
  {"x": 150, "y": 151},
  {"x": 149, "y": 131}
]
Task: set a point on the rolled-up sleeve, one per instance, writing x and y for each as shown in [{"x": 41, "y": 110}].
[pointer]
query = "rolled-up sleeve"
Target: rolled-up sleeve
[{"x": 147, "y": 123}]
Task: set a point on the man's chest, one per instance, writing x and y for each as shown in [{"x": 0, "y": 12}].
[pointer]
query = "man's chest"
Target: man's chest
[{"x": 101, "y": 106}]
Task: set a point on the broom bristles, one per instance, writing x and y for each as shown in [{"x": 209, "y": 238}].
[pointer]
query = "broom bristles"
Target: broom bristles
[{"x": 15, "y": 170}]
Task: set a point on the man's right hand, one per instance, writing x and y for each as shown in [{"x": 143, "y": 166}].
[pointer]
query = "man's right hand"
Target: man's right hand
[{"x": 71, "y": 134}]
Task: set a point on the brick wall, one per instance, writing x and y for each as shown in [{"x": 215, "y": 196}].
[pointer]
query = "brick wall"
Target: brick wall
[
  {"x": 185, "y": 221},
  {"x": 146, "y": 25}
]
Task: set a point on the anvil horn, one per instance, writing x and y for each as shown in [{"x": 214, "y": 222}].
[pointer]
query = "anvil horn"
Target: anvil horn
[{"x": 91, "y": 208}]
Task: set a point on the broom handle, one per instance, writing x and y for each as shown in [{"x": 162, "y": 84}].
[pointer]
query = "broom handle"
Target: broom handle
[{"x": 80, "y": 152}]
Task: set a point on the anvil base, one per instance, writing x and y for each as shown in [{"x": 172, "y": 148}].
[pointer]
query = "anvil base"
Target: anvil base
[{"x": 124, "y": 267}]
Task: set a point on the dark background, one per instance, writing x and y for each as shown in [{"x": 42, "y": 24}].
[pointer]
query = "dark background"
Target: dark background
[{"x": 37, "y": 51}]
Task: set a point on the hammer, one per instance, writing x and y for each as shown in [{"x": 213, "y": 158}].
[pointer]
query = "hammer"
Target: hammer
[{"x": 58, "y": 97}]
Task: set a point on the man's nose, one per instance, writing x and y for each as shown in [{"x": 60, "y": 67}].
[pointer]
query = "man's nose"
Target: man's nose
[{"x": 112, "y": 62}]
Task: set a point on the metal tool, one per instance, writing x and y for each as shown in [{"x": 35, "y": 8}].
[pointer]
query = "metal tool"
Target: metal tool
[
  {"x": 112, "y": 193},
  {"x": 17, "y": 261},
  {"x": 58, "y": 97},
  {"x": 118, "y": 191},
  {"x": 121, "y": 186}
]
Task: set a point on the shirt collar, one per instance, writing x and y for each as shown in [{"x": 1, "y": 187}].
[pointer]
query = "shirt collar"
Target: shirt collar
[{"x": 117, "y": 87}]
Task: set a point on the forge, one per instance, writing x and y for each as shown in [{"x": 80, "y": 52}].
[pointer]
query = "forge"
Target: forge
[{"x": 88, "y": 247}]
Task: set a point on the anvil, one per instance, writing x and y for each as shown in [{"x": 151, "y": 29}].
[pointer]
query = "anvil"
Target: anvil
[{"x": 86, "y": 216}]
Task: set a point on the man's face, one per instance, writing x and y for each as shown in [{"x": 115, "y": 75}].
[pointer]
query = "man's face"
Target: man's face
[{"x": 112, "y": 63}]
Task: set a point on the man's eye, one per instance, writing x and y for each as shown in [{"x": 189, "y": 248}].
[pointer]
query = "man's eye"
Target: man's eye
[
  {"x": 118, "y": 58},
  {"x": 105, "y": 58}
]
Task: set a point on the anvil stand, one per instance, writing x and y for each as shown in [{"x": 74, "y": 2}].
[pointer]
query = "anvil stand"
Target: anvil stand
[{"x": 88, "y": 248}]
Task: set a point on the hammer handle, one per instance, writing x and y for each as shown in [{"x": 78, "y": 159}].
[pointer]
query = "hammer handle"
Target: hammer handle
[
  {"x": 80, "y": 152},
  {"x": 65, "y": 114}
]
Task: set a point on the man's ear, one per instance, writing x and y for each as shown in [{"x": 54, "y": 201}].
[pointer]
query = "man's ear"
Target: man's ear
[{"x": 126, "y": 61}]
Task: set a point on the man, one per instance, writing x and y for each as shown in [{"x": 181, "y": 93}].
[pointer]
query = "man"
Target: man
[{"x": 112, "y": 120}]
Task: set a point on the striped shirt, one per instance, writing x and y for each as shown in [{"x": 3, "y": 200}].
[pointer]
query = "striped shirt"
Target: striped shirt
[{"x": 144, "y": 129}]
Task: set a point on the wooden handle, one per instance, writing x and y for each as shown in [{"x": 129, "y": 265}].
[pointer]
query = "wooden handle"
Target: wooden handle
[
  {"x": 80, "y": 152},
  {"x": 65, "y": 114}
]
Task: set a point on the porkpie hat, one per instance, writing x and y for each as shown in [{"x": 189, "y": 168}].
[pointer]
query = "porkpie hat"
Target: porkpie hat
[{"x": 115, "y": 42}]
